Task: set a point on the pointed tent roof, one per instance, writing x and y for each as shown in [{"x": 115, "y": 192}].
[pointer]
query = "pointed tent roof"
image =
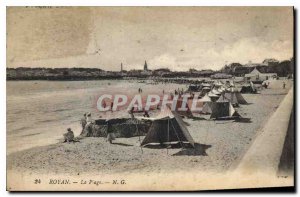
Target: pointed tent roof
[
  {"x": 168, "y": 130},
  {"x": 207, "y": 108},
  {"x": 255, "y": 72},
  {"x": 205, "y": 98},
  {"x": 235, "y": 98},
  {"x": 222, "y": 99}
]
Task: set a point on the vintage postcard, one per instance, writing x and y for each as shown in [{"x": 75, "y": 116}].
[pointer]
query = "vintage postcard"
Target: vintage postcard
[{"x": 149, "y": 98}]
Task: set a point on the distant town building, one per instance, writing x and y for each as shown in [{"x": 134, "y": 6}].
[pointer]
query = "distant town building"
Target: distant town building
[{"x": 255, "y": 75}]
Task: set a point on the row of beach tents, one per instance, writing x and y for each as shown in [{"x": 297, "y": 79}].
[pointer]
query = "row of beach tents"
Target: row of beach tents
[{"x": 168, "y": 128}]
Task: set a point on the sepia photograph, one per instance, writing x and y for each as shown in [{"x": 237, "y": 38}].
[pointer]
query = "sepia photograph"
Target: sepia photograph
[{"x": 146, "y": 98}]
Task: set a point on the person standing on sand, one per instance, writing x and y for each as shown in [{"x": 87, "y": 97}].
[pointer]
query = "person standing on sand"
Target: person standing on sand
[
  {"x": 111, "y": 106},
  {"x": 110, "y": 134},
  {"x": 83, "y": 122},
  {"x": 131, "y": 112},
  {"x": 283, "y": 85},
  {"x": 89, "y": 119}
]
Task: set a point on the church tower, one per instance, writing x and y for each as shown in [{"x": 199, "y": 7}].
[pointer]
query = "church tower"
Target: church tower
[{"x": 145, "y": 66}]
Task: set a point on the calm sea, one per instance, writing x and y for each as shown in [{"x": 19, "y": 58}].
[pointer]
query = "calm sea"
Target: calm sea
[{"x": 39, "y": 112}]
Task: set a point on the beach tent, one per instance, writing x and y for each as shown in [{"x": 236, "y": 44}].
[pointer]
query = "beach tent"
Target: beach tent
[
  {"x": 218, "y": 83},
  {"x": 207, "y": 108},
  {"x": 194, "y": 88},
  {"x": 206, "y": 85},
  {"x": 221, "y": 89},
  {"x": 235, "y": 98},
  {"x": 213, "y": 96},
  {"x": 186, "y": 113},
  {"x": 205, "y": 98},
  {"x": 223, "y": 110},
  {"x": 249, "y": 88},
  {"x": 205, "y": 90},
  {"x": 222, "y": 98},
  {"x": 168, "y": 129},
  {"x": 200, "y": 103},
  {"x": 216, "y": 91}
]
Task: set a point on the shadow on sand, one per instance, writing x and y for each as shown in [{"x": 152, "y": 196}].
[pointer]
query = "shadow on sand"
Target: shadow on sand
[
  {"x": 198, "y": 118},
  {"x": 199, "y": 150},
  {"x": 121, "y": 144},
  {"x": 243, "y": 120},
  {"x": 247, "y": 104}
]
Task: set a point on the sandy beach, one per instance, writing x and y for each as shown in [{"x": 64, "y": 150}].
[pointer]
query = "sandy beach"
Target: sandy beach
[{"x": 220, "y": 145}]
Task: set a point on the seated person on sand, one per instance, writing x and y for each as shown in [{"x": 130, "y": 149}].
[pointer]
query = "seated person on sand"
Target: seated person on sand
[{"x": 69, "y": 136}]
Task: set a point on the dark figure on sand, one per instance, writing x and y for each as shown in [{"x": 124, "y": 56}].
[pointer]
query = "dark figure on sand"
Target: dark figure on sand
[
  {"x": 83, "y": 122},
  {"x": 110, "y": 134},
  {"x": 146, "y": 114},
  {"x": 69, "y": 136}
]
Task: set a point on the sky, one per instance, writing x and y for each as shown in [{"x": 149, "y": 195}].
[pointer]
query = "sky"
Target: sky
[{"x": 178, "y": 38}]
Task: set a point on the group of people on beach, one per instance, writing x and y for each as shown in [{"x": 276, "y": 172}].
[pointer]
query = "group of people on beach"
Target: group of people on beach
[
  {"x": 86, "y": 122},
  {"x": 178, "y": 91}
]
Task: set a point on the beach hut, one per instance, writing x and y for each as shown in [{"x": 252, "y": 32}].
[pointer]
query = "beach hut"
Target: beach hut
[{"x": 168, "y": 129}]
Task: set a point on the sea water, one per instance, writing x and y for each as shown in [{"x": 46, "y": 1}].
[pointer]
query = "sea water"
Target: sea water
[{"x": 39, "y": 112}]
